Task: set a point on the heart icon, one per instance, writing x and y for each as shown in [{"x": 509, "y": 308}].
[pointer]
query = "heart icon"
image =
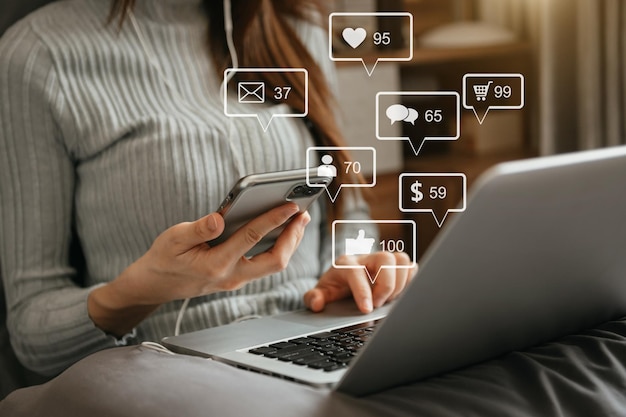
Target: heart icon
[{"x": 354, "y": 37}]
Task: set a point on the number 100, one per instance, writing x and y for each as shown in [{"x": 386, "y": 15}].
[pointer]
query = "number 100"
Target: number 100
[{"x": 392, "y": 245}]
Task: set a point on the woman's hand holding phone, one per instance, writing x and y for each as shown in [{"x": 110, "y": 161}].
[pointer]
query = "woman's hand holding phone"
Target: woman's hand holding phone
[
  {"x": 181, "y": 265},
  {"x": 181, "y": 254}
]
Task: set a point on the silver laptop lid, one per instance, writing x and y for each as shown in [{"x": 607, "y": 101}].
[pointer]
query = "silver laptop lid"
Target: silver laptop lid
[{"x": 540, "y": 252}]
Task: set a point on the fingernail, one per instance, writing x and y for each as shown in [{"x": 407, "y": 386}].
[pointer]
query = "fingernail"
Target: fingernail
[
  {"x": 309, "y": 301},
  {"x": 367, "y": 305},
  {"x": 316, "y": 303},
  {"x": 211, "y": 223}
]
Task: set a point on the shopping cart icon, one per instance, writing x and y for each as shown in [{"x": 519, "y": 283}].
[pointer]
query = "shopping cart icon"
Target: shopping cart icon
[{"x": 481, "y": 91}]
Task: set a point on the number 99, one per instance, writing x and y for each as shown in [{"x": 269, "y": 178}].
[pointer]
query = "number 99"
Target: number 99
[{"x": 503, "y": 91}]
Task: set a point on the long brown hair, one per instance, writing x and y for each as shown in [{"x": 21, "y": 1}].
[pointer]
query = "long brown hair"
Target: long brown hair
[{"x": 265, "y": 38}]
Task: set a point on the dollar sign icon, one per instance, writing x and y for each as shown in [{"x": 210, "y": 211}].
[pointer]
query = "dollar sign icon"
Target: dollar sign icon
[{"x": 415, "y": 189}]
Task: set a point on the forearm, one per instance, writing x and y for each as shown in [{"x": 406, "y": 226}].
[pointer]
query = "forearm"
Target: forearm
[
  {"x": 117, "y": 307},
  {"x": 51, "y": 331}
]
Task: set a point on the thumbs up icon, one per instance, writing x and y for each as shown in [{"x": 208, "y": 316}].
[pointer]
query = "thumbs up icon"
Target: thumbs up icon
[{"x": 359, "y": 246}]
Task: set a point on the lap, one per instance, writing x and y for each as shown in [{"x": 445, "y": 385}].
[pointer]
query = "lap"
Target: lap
[{"x": 582, "y": 374}]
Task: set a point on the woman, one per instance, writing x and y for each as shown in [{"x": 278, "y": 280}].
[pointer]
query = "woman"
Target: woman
[{"x": 113, "y": 149}]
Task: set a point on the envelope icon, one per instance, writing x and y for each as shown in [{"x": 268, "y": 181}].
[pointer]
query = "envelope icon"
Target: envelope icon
[{"x": 251, "y": 92}]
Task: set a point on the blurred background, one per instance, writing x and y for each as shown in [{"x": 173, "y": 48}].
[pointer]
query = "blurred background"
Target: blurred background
[{"x": 571, "y": 52}]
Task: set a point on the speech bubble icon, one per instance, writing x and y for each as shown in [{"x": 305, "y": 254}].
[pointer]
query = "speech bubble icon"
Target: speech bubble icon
[
  {"x": 436, "y": 193},
  {"x": 361, "y": 161},
  {"x": 412, "y": 117},
  {"x": 431, "y": 115},
  {"x": 349, "y": 40},
  {"x": 248, "y": 92},
  {"x": 358, "y": 238},
  {"x": 485, "y": 92},
  {"x": 397, "y": 113}
]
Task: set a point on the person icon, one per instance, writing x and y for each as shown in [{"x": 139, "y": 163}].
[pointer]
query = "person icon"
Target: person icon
[{"x": 327, "y": 169}]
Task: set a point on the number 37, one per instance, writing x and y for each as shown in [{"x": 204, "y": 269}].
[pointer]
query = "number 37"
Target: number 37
[{"x": 281, "y": 93}]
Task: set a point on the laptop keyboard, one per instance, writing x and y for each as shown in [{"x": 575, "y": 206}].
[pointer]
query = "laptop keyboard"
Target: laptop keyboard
[{"x": 328, "y": 351}]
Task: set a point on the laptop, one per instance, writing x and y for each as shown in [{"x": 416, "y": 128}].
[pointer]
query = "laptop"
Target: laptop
[{"x": 539, "y": 253}]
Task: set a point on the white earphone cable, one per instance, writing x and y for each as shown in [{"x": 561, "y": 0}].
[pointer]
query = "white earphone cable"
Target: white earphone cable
[
  {"x": 179, "y": 318},
  {"x": 228, "y": 29}
]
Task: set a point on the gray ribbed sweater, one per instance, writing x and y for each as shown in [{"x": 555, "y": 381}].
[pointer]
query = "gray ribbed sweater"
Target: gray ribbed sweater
[{"x": 93, "y": 138}]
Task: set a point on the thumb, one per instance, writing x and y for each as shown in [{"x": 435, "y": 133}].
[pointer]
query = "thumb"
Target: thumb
[
  {"x": 314, "y": 300},
  {"x": 191, "y": 234},
  {"x": 330, "y": 288}
]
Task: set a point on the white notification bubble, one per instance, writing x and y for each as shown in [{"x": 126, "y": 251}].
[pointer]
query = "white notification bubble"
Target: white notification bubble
[
  {"x": 323, "y": 158},
  {"x": 356, "y": 44},
  {"x": 485, "y": 92},
  {"x": 256, "y": 97},
  {"x": 431, "y": 109},
  {"x": 356, "y": 242},
  {"x": 435, "y": 193}
]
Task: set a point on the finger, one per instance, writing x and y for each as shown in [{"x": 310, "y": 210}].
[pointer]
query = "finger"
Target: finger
[
  {"x": 291, "y": 237},
  {"x": 384, "y": 286},
  {"x": 315, "y": 300},
  {"x": 386, "y": 280},
  {"x": 352, "y": 280},
  {"x": 252, "y": 232},
  {"x": 360, "y": 285},
  {"x": 401, "y": 281},
  {"x": 277, "y": 258},
  {"x": 189, "y": 234},
  {"x": 403, "y": 273},
  {"x": 332, "y": 286}
]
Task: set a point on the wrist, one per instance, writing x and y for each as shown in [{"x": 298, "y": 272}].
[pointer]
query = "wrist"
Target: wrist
[{"x": 117, "y": 307}]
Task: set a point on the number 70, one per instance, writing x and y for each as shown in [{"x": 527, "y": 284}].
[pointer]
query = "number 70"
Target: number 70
[{"x": 353, "y": 166}]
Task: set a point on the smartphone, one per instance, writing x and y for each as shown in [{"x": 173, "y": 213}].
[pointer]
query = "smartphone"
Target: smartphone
[{"x": 256, "y": 194}]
